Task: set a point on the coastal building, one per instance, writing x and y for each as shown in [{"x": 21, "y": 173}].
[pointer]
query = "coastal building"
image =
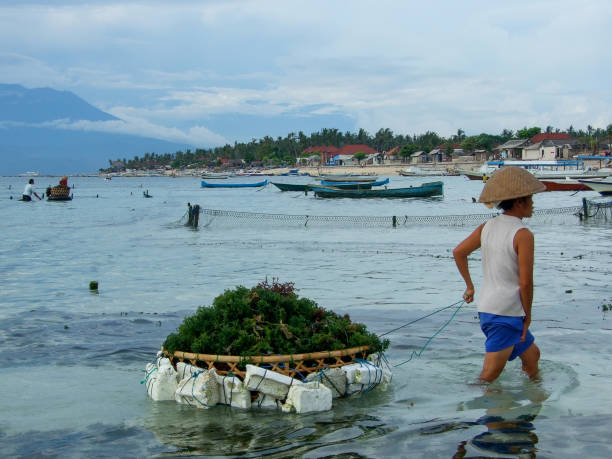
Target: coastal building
[
  {"x": 545, "y": 146},
  {"x": 547, "y": 150},
  {"x": 512, "y": 149},
  {"x": 419, "y": 157},
  {"x": 325, "y": 152}
]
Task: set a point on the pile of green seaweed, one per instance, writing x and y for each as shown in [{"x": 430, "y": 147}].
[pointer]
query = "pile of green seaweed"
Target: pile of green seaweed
[{"x": 269, "y": 318}]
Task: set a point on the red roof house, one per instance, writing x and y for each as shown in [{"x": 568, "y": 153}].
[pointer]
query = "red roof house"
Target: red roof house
[
  {"x": 550, "y": 136},
  {"x": 352, "y": 149},
  {"x": 326, "y": 151}
]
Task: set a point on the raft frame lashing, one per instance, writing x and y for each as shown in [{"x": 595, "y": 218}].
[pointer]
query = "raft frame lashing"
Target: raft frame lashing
[{"x": 305, "y": 363}]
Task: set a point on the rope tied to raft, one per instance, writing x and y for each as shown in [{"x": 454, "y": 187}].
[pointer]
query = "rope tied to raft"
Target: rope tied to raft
[{"x": 413, "y": 354}]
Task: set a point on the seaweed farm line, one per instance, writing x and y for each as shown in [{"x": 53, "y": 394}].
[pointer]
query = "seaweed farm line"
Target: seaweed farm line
[
  {"x": 211, "y": 215},
  {"x": 73, "y": 358}
]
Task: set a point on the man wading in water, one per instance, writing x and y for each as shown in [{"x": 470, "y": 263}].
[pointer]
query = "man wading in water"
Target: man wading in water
[
  {"x": 29, "y": 191},
  {"x": 504, "y": 303}
]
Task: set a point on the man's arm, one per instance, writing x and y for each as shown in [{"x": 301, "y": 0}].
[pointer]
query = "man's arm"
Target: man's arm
[
  {"x": 524, "y": 247},
  {"x": 461, "y": 252}
]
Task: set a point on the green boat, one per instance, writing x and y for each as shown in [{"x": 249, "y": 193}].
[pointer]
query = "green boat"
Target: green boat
[
  {"x": 424, "y": 191},
  {"x": 292, "y": 186}
]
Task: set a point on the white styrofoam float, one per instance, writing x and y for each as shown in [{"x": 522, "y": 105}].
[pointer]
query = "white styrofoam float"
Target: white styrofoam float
[
  {"x": 203, "y": 388},
  {"x": 308, "y": 398},
  {"x": 160, "y": 380}
]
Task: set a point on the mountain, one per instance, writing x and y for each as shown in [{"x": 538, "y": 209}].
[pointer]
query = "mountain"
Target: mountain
[{"x": 32, "y": 140}]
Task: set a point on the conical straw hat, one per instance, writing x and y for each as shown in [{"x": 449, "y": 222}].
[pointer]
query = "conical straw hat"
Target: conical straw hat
[{"x": 510, "y": 182}]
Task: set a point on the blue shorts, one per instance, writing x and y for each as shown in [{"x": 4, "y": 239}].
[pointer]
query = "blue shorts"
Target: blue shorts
[{"x": 503, "y": 332}]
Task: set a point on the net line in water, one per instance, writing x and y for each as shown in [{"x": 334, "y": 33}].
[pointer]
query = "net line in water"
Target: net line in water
[
  {"x": 594, "y": 208},
  {"x": 207, "y": 217}
]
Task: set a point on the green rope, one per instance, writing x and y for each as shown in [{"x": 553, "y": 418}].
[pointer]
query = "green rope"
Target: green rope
[
  {"x": 147, "y": 375},
  {"x": 419, "y": 353}
]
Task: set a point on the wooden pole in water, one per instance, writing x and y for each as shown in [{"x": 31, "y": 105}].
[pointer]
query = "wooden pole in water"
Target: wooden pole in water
[{"x": 196, "y": 216}]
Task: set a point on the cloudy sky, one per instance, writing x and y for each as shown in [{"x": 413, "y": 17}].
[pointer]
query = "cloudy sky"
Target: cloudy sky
[{"x": 211, "y": 72}]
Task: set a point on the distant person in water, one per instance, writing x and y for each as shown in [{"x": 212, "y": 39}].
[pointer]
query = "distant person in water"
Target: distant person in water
[
  {"x": 504, "y": 303},
  {"x": 29, "y": 191}
]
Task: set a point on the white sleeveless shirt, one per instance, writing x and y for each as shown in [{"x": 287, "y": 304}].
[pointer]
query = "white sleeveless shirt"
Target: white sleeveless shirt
[{"x": 500, "y": 292}]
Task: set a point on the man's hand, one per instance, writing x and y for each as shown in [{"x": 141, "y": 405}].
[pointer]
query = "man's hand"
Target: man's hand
[
  {"x": 468, "y": 296},
  {"x": 526, "y": 323}
]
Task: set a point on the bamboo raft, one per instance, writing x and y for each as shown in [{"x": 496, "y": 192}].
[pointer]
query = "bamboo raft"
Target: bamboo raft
[{"x": 293, "y": 365}]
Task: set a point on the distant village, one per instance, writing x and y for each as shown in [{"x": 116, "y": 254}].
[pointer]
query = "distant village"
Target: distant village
[{"x": 546, "y": 146}]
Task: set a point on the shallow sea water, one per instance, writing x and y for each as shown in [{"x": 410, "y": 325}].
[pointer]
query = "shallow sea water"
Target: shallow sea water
[{"x": 71, "y": 361}]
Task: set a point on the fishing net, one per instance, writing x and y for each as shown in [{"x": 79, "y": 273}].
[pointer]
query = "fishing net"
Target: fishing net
[{"x": 591, "y": 208}]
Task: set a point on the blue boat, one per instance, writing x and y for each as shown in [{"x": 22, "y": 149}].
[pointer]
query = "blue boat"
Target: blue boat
[{"x": 206, "y": 184}]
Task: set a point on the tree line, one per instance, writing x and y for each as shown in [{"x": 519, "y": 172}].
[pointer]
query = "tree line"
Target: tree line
[{"x": 286, "y": 150}]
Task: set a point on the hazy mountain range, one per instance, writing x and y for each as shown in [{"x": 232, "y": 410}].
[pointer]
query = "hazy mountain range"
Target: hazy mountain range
[{"x": 56, "y": 132}]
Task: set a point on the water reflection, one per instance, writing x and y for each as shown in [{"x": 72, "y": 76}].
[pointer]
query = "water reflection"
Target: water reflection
[
  {"x": 225, "y": 431},
  {"x": 509, "y": 420}
]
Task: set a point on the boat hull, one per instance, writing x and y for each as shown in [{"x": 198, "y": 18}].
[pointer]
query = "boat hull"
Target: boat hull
[
  {"x": 355, "y": 185},
  {"x": 291, "y": 186},
  {"x": 603, "y": 187},
  {"x": 424, "y": 191},
  {"x": 215, "y": 176},
  {"x": 206, "y": 184},
  {"x": 350, "y": 178},
  {"x": 472, "y": 175},
  {"x": 418, "y": 172},
  {"x": 564, "y": 185}
]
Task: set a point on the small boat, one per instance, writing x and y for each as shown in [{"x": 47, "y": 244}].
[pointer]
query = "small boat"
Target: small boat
[
  {"x": 350, "y": 178},
  {"x": 558, "y": 169},
  {"x": 478, "y": 174},
  {"x": 234, "y": 185},
  {"x": 146, "y": 194},
  {"x": 293, "y": 186},
  {"x": 415, "y": 171},
  {"x": 30, "y": 174},
  {"x": 292, "y": 172},
  {"x": 423, "y": 191},
  {"x": 566, "y": 184},
  {"x": 355, "y": 185},
  {"x": 250, "y": 173},
  {"x": 59, "y": 198},
  {"x": 602, "y": 186},
  {"x": 214, "y": 175},
  {"x": 341, "y": 185}
]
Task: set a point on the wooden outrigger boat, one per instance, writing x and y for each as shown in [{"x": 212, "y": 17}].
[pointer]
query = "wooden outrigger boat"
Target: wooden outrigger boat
[
  {"x": 423, "y": 191},
  {"x": 350, "y": 178},
  {"x": 292, "y": 186},
  {"x": 564, "y": 185},
  {"x": 355, "y": 185},
  {"x": 206, "y": 184},
  {"x": 603, "y": 186},
  {"x": 341, "y": 185},
  {"x": 214, "y": 175}
]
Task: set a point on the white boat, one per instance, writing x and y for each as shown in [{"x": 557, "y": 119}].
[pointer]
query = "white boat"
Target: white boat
[
  {"x": 478, "y": 174},
  {"x": 30, "y": 174},
  {"x": 602, "y": 186},
  {"x": 214, "y": 175},
  {"x": 554, "y": 169},
  {"x": 420, "y": 172}
]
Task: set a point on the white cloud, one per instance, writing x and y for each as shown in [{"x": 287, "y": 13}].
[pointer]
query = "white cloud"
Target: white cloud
[
  {"x": 481, "y": 66},
  {"x": 195, "y": 135}
]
